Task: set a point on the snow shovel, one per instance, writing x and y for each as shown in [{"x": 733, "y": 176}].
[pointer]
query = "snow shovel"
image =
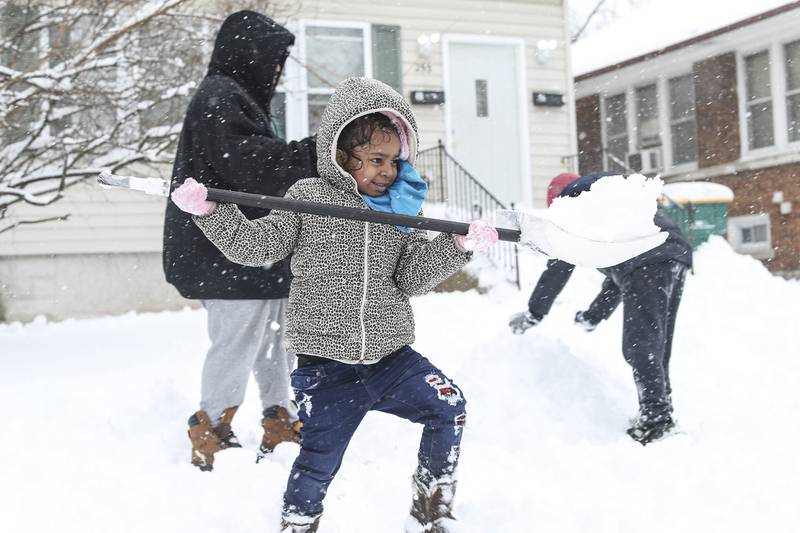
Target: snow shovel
[{"x": 532, "y": 231}]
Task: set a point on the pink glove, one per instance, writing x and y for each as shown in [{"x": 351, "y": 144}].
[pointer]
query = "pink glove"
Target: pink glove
[
  {"x": 191, "y": 198},
  {"x": 480, "y": 237}
]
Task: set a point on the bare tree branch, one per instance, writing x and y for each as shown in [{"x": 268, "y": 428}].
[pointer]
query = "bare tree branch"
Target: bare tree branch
[
  {"x": 97, "y": 96},
  {"x": 93, "y": 84},
  {"x": 36, "y": 221},
  {"x": 588, "y": 20}
]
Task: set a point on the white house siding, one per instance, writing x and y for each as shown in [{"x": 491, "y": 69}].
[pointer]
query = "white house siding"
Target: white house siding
[
  {"x": 61, "y": 286},
  {"x": 106, "y": 257},
  {"x": 100, "y": 221},
  {"x": 550, "y": 128}
]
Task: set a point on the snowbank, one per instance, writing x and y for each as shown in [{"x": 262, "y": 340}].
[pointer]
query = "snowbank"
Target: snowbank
[{"x": 95, "y": 439}]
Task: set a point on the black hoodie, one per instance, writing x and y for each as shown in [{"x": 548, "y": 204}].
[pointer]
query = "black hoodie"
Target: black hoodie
[{"x": 227, "y": 142}]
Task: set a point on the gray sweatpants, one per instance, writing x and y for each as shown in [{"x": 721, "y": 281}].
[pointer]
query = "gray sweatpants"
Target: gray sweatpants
[{"x": 246, "y": 335}]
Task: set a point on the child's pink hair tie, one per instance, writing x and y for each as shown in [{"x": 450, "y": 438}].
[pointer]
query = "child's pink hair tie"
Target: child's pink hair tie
[{"x": 398, "y": 124}]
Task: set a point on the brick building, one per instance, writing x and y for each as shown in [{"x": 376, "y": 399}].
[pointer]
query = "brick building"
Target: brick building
[{"x": 720, "y": 105}]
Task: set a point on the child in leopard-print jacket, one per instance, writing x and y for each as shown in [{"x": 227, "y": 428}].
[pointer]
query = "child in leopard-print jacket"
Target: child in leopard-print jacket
[{"x": 349, "y": 318}]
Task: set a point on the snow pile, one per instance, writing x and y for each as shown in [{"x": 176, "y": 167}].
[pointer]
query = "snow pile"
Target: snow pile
[
  {"x": 604, "y": 226},
  {"x": 95, "y": 421},
  {"x": 698, "y": 191},
  {"x": 614, "y": 209}
]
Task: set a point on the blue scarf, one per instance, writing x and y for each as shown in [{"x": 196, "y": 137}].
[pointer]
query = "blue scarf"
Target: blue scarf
[{"x": 404, "y": 197}]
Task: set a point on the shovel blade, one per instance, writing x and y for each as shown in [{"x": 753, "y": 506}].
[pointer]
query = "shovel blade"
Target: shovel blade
[{"x": 542, "y": 236}]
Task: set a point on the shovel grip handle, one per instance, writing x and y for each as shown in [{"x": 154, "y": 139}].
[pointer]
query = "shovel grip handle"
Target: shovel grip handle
[{"x": 349, "y": 213}]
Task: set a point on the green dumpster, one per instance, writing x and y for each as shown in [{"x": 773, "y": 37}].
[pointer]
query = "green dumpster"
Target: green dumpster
[{"x": 700, "y": 208}]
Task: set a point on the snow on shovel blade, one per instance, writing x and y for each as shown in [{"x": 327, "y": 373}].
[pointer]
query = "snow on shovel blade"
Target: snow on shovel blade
[
  {"x": 153, "y": 186},
  {"x": 540, "y": 234}
]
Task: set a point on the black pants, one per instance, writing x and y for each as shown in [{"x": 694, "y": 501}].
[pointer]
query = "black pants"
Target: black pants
[{"x": 651, "y": 295}]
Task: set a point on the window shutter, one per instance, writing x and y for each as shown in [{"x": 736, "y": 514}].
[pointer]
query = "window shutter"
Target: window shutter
[{"x": 387, "y": 65}]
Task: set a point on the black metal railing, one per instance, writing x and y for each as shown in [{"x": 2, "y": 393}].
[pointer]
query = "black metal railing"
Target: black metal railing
[{"x": 465, "y": 199}]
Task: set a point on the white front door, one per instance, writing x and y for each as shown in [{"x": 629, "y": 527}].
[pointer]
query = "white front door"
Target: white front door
[{"x": 484, "y": 115}]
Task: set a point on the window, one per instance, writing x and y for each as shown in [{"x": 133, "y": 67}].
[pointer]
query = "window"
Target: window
[
  {"x": 21, "y": 54},
  {"x": 751, "y": 235},
  {"x": 386, "y": 60},
  {"x": 754, "y": 234},
  {"x": 651, "y": 128},
  {"x": 94, "y": 107},
  {"x": 17, "y": 24},
  {"x": 278, "y": 114},
  {"x": 616, "y": 133},
  {"x": 683, "y": 127},
  {"x": 332, "y": 54},
  {"x": 481, "y": 98},
  {"x": 160, "y": 58},
  {"x": 758, "y": 94},
  {"x": 791, "y": 53},
  {"x": 327, "y": 53},
  {"x": 647, "y": 117}
]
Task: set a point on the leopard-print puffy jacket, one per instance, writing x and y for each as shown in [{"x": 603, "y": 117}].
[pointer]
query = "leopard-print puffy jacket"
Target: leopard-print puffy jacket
[{"x": 349, "y": 299}]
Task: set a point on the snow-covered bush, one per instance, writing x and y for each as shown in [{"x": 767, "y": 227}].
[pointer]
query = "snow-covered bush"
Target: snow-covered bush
[{"x": 91, "y": 84}]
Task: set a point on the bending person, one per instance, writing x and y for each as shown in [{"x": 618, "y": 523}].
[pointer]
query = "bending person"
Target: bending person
[{"x": 650, "y": 287}]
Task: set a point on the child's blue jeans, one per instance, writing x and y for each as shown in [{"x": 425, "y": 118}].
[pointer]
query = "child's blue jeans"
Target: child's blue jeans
[{"x": 334, "y": 397}]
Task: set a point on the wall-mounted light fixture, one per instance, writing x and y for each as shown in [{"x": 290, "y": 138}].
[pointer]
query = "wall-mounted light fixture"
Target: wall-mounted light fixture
[
  {"x": 425, "y": 44},
  {"x": 545, "y": 49}
]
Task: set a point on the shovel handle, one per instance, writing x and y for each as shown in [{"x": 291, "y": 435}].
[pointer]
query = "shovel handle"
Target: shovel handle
[{"x": 350, "y": 213}]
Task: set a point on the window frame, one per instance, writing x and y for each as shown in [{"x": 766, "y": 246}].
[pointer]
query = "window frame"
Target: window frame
[
  {"x": 637, "y": 114},
  {"x": 294, "y": 82},
  {"x": 604, "y": 123},
  {"x": 744, "y": 100},
  {"x": 670, "y": 122},
  {"x": 759, "y": 249},
  {"x": 786, "y": 91},
  {"x": 661, "y": 82},
  {"x": 779, "y": 94}
]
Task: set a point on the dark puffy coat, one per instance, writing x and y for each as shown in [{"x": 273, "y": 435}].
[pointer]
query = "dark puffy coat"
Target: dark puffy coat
[{"x": 227, "y": 142}]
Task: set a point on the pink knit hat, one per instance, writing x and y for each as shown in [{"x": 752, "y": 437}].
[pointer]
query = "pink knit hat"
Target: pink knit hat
[
  {"x": 558, "y": 184},
  {"x": 400, "y": 126}
]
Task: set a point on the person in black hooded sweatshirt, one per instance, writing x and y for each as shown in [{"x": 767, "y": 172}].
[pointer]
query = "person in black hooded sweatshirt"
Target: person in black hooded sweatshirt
[
  {"x": 650, "y": 287},
  {"x": 228, "y": 142}
]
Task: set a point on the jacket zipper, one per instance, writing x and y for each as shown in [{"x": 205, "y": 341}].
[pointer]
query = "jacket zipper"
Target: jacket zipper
[{"x": 364, "y": 295}]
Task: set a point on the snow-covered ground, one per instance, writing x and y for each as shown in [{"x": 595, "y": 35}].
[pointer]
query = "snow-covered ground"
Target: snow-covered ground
[{"x": 94, "y": 433}]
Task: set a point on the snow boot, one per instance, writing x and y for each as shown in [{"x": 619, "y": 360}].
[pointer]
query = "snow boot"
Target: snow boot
[
  {"x": 645, "y": 430},
  {"x": 432, "y": 506},
  {"x": 278, "y": 428},
  {"x": 207, "y": 440},
  {"x": 296, "y": 523}
]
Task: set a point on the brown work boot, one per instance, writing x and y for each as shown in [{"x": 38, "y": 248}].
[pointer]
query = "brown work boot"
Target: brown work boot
[
  {"x": 208, "y": 440},
  {"x": 278, "y": 428}
]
